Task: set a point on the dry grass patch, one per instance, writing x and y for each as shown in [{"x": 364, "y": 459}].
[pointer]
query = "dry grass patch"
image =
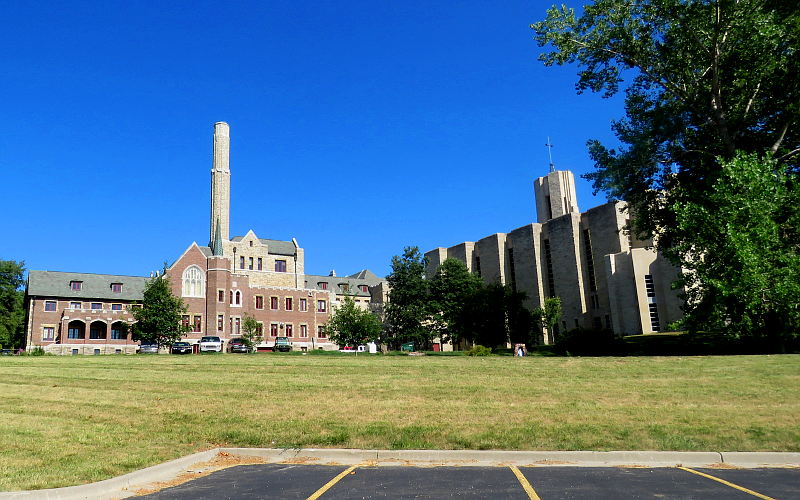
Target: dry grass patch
[{"x": 71, "y": 420}]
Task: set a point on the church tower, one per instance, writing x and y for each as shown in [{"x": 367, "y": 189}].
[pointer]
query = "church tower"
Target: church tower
[
  {"x": 220, "y": 186},
  {"x": 555, "y": 195}
]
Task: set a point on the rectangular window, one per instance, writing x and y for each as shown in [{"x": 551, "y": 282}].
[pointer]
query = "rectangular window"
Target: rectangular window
[
  {"x": 289, "y": 304},
  {"x": 49, "y": 305},
  {"x": 220, "y": 295},
  {"x": 96, "y": 306},
  {"x": 273, "y": 303},
  {"x": 288, "y": 330},
  {"x": 654, "y": 321},
  {"x": 322, "y": 306},
  {"x": 76, "y": 285},
  {"x": 280, "y": 266},
  {"x": 303, "y": 305},
  {"x": 303, "y": 331},
  {"x": 512, "y": 269},
  {"x": 116, "y": 332},
  {"x": 587, "y": 248},
  {"x": 260, "y": 263},
  {"x": 48, "y": 333},
  {"x": 198, "y": 323},
  {"x": 250, "y": 263},
  {"x": 74, "y": 305},
  {"x": 237, "y": 326},
  {"x": 273, "y": 330},
  {"x": 116, "y": 307},
  {"x": 260, "y": 329},
  {"x": 75, "y": 332},
  {"x": 259, "y": 302},
  {"x": 241, "y": 262},
  {"x": 364, "y": 288},
  {"x": 220, "y": 322},
  {"x": 323, "y": 285},
  {"x": 649, "y": 285},
  {"x": 548, "y": 259},
  {"x": 116, "y": 287},
  {"x": 321, "y": 332},
  {"x": 185, "y": 320}
]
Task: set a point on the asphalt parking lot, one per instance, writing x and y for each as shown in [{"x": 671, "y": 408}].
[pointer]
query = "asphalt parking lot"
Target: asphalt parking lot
[{"x": 290, "y": 481}]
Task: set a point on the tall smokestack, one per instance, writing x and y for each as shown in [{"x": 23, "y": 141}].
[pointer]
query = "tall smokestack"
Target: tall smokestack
[{"x": 220, "y": 184}]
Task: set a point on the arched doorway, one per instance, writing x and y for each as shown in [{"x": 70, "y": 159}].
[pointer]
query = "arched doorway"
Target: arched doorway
[
  {"x": 98, "y": 330},
  {"x": 76, "y": 329}
]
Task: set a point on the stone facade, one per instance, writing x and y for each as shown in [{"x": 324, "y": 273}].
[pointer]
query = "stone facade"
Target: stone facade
[{"x": 604, "y": 278}]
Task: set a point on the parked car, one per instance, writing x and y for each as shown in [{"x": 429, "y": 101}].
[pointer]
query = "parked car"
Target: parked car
[
  {"x": 148, "y": 349},
  {"x": 181, "y": 348},
  {"x": 210, "y": 344},
  {"x": 282, "y": 344},
  {"x": 238, "y": 345}
]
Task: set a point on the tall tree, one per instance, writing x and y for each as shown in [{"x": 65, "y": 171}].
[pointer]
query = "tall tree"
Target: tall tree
[
  {"x": 708, "y": 78},
  {"x": 407, "y": 309},
  {"x": 12, "y": 312},
  {"x": 549, "y": 316},
  {"x": 757, "y": 210},
  {"x": 252, "y": 333},
  {"x": 158, "y": 321},
  {"x": 349, "y": 325},
  {"x": 451, "y": 290}
]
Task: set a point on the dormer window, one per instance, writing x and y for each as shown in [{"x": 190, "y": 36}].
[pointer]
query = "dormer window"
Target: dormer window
[
  {"x": 76, "y": 285},
  {"x": 364, "y": 288},
  {"x": 345, "y": 287},
  {"x": 323, "y": 285},
  {"x": 116, "y": 287}
]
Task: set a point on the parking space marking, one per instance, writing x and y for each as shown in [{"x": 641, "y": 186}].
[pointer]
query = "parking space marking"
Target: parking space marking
[
  {"x": 333, "y": 481},
  {"x": 525, "y": 484},
  {"x": 727, "y": 483}
]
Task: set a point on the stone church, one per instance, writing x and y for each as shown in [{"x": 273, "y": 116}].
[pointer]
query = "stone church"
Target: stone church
[{"x": 605, "y": 278}]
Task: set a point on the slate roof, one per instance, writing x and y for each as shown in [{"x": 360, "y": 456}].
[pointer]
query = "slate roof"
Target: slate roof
[
  {"x": 275, "y": 247},
  {"x": 363, "y": 277},
  {"x": 95, "y": 286}
]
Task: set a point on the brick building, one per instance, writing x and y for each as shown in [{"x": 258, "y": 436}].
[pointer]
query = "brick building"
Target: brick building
[{"x": 220, "y": 283}]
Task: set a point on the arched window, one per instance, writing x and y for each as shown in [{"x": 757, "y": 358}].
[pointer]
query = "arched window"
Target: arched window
[
  {"x": 194, "y": 284},
  {"x": 238, "y": 298}
]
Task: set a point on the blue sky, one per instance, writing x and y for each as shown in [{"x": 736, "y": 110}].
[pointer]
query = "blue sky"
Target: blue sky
[{"x": 357, "y": 127}]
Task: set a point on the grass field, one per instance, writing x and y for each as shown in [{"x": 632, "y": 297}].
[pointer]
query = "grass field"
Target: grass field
[{"x": 71, "y": 420}]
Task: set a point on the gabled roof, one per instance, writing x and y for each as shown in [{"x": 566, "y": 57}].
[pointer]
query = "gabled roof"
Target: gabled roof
[
  {"x": 353, "y": 281},
  {"x": 365, "y": 274},
  {"x": 93, "y": 286}
]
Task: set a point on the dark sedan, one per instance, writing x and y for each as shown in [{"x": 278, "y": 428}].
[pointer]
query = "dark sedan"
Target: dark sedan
[
  {"x": 238, "y": 345},
  {"x": 181, "y": 348}
]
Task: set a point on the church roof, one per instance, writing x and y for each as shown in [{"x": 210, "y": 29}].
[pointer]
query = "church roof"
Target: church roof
[
  {"x": 363, "y": 277},
  {"x": 93, "y": 286},
  {"x": 275, "y": 247}
]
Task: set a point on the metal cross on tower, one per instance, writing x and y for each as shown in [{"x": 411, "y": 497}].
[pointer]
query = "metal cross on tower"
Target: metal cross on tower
[{"x": 550, "y": 155}]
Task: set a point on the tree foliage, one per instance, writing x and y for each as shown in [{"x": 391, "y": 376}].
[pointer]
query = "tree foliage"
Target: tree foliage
[
  {"x": 12, "y": 311},
  {"x": 708, "y": 79},
  {"x": 251, "y": 331},
  {"x": 407, "y": 309},
  {"x": 158, "y": 321},
  {"x": 756, "y": 213},
  {"x": 350, "y": 325},
  {"x": 549, "y": 315},
  {"x": 451, "y": 289}
]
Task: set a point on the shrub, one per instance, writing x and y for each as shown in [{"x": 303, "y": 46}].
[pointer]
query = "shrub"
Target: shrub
[
  {"x": 585, "y": 342},
  {"x": 479, "y": 350}
]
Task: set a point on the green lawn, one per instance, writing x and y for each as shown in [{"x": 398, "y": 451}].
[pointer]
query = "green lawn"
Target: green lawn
[{"x": 71, "y": 420}]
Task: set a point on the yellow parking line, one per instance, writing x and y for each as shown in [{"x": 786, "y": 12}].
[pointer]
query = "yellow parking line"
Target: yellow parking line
[
  {"x": 525, "y": 484},
  {"x": 330, "y": 483},
  {"x": 740, "y": 488}
]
